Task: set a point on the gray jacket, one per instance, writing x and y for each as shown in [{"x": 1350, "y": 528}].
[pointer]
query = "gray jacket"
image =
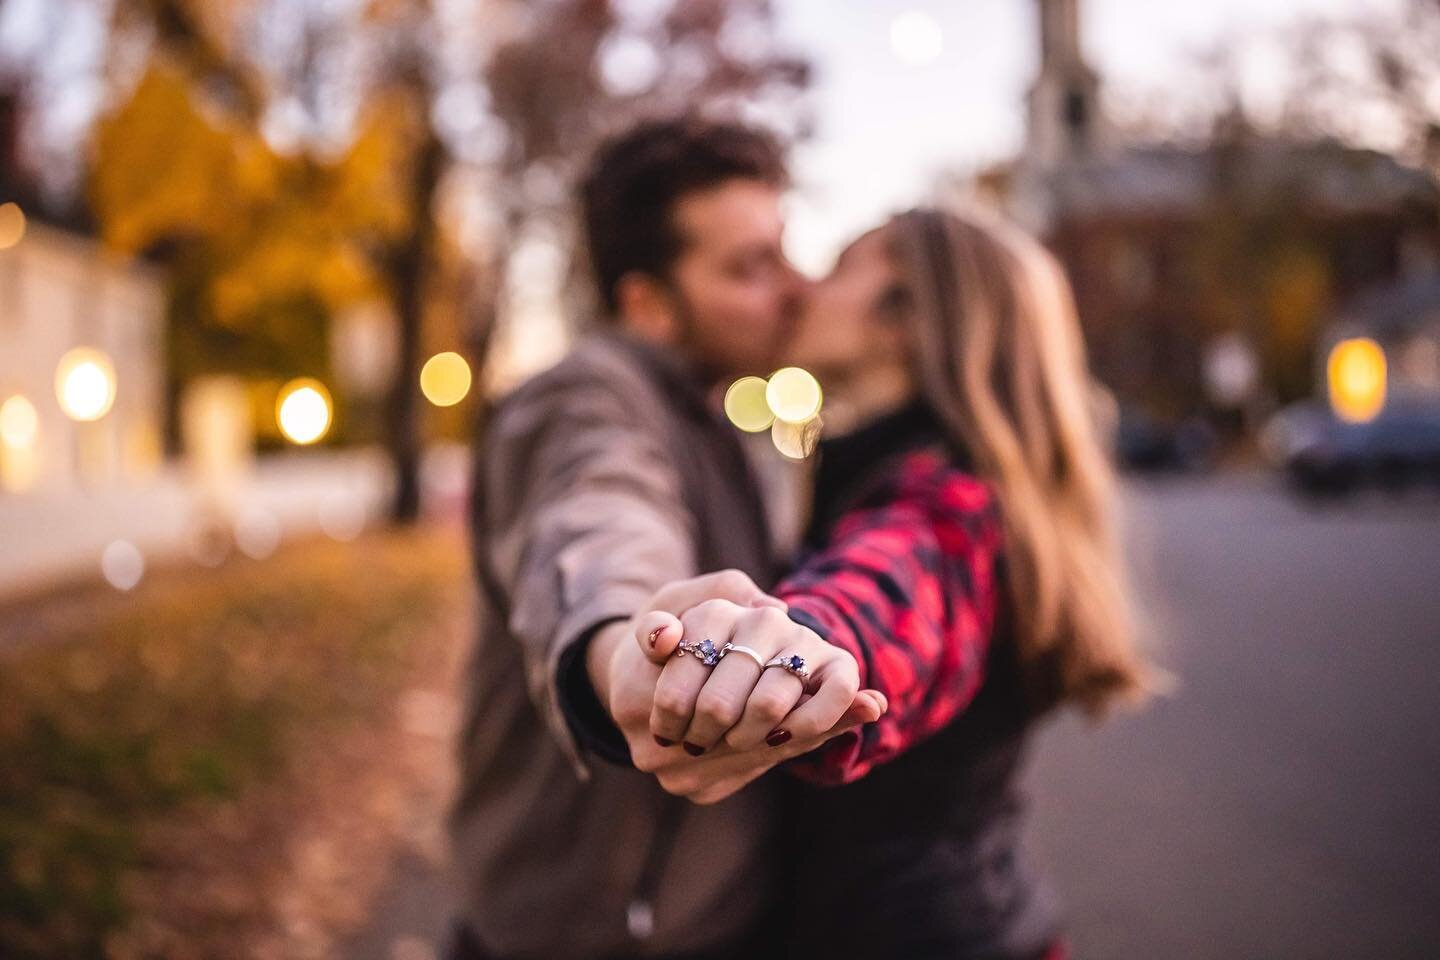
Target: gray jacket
[{"x": 597, "y": 481}]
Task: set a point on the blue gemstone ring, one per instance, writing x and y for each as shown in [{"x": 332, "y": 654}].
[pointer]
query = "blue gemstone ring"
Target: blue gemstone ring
[
  {"x": 792, "y": 663},
  {"x": 705, "y": 651}
]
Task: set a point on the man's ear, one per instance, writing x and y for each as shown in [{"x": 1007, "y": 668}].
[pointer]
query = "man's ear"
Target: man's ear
[{"x": 647, "y": 308}]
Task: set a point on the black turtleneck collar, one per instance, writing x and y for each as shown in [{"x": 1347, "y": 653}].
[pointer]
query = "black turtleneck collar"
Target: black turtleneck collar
[{"x": 850, "y": 464}]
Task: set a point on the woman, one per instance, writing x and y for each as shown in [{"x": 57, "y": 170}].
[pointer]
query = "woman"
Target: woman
[{"x": 960, "y": 561}]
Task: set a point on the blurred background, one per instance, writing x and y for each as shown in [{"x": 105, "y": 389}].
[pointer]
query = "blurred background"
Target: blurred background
[{"x": 262, "y": 262}]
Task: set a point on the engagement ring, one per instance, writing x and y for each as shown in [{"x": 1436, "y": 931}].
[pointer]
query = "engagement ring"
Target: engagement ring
[{"x": 792, "y": 663}]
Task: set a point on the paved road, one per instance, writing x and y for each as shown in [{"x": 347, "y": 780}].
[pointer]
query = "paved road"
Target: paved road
[{"x": 1285, "y": 803}]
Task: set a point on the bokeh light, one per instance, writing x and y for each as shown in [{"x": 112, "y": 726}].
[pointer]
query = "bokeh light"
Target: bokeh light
[
  {"x": 793, "y": 395},
  {"x": 122, "y": 565},
  {"x": 85, "y": 384},
  {"x": 746, "y": 407},
  {"x": 12, "y": 225},
  {"x": 796, "y": 441},
  {"x": 1356, "y": 372},
  {"x": 445, "y": 379},
  {"x": 342, "y": 517},
  {"x": 916, "y": 38},
  {"x": 303, "y": 410},
  {"x": 257, "y": 533},
  {"x": 19, "y": 423}
]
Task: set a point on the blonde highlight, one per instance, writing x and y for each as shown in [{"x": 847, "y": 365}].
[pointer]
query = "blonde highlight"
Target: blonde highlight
[{"x": 999, "y": 357}]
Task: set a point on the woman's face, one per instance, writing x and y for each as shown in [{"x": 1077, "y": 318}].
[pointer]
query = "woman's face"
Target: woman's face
[{"x": 851, "y": 321}]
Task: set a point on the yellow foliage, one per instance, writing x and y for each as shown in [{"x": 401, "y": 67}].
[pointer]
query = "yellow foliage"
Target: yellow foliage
[
  {"x": 159, "y": 164},
  {"x": 167, "y": 166}
]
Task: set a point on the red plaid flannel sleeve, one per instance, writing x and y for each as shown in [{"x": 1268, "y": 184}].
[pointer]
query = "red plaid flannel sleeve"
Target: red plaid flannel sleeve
[{"x": 907, "y": 584}]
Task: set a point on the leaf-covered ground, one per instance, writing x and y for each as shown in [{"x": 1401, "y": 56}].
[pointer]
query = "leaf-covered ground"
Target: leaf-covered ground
[{"x": 223, "y": 762}]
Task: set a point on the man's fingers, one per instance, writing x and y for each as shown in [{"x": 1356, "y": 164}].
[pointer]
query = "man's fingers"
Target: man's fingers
[
  {"x": 658, "y": 634},
  {"x": 733, "y": 585}
]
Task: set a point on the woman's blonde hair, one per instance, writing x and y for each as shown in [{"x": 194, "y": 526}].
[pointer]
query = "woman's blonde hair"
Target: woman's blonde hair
[{"x": 999, "y": 357}]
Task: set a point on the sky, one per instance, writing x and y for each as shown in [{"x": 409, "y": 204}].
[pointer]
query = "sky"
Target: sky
[
  {"x": 904, "y": 90},
  {"x": 887, "y": 125}
]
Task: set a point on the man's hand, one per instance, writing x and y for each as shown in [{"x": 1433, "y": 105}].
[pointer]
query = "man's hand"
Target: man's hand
[{"x": 628, "y": 680}]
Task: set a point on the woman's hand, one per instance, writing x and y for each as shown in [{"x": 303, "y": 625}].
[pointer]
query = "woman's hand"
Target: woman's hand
[{"x": 736, "y": 703}]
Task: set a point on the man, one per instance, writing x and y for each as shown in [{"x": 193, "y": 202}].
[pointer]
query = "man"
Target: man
[{"x": 599, "y": 481}]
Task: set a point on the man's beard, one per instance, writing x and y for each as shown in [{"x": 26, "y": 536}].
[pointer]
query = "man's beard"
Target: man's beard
[{"x": 689, "y": 342}]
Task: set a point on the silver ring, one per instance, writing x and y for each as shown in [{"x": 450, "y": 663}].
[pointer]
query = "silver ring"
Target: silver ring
[
  {"x": 791, "y": 663},
  {"x": 740, "y": 648},
  {"x": 704, "y": 651}
]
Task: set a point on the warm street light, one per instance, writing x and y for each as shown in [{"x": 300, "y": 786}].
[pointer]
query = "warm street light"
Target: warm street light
[
  {"x": 85, "y": 384},
  {"x": 445, "y": 379},
  {"x": 19, "y": 423},
  {"x": 1356, "y": 372},
  {"x": 303, "y": 410}
]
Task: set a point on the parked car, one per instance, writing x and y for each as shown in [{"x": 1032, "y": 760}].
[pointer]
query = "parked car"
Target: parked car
[
  {"x": 1322, "y": 454},
  {"x": 1145, "y": 444}
]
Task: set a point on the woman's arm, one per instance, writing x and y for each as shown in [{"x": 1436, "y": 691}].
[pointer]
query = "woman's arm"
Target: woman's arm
[{"x": 907, "y": 585}]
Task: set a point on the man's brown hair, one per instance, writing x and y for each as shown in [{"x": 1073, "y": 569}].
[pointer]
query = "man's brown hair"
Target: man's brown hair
[{"x": 635, "y": 179}]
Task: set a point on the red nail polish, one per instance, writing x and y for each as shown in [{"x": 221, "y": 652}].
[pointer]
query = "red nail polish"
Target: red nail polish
[
  {"x": 664, "y": 743},
  {"x": 692, "y": 749},
  {"x": 655, "y": 637},
  {"x": 778, "y": 737}
]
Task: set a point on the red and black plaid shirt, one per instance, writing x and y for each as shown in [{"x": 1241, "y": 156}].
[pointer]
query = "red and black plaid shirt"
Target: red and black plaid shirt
[{"x": 906, "y": 582}]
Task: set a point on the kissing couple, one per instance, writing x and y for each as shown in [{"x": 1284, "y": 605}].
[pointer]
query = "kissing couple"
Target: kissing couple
[{"x": 684, "y": 740}]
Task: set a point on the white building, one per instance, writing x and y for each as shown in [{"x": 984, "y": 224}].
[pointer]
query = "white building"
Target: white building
[{"x": 60, "y": 291}]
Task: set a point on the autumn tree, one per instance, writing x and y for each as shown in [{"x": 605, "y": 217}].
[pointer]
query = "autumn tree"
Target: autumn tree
[{"x": 284, "y": 173}]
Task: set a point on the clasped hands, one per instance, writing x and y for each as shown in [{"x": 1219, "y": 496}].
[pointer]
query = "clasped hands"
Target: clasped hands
[{"x": 707, "y": 731}]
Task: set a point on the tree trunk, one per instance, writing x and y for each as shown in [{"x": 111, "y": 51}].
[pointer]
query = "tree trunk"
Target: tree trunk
[{"x": 407, "y": 268}]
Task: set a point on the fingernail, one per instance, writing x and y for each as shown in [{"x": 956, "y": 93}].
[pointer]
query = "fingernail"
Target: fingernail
[
  {"x": 778, "y": 737},
  {"x": 655, "y": 638},
  {"x": 693, "y": 750},
  {"x": 664, "y": 743}
]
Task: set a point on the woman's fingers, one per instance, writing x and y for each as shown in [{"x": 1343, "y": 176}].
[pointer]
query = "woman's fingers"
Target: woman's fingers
[
  {"x": 658, "y": 634},
  {"x": 712, "y": 780},
  {"x": 761, "y": 631},
  {"x": 775, "y": 695},
  {"x": 837, "y": 681},
  {"x": 682, "y": 677},
  {"x": 720, "y": 702}
]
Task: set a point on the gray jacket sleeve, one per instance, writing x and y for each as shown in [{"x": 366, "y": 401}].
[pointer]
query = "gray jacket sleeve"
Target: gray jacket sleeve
[{"x": 580, "y": 519}]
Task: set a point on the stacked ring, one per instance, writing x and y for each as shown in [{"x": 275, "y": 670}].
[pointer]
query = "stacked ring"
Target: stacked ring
[
  {"x": 704, "y": 651},
  {"x": 740, "y": 648}
]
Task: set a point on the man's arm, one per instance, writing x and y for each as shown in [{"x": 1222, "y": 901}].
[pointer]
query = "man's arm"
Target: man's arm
[{"x": 578, "y": 520}]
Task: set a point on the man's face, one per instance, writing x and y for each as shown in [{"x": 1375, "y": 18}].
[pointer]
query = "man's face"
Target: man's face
[{"x": 737, "y": 293}]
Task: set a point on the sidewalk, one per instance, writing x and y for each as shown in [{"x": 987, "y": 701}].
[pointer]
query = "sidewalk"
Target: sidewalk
[{"x": 46, "y": 538}]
